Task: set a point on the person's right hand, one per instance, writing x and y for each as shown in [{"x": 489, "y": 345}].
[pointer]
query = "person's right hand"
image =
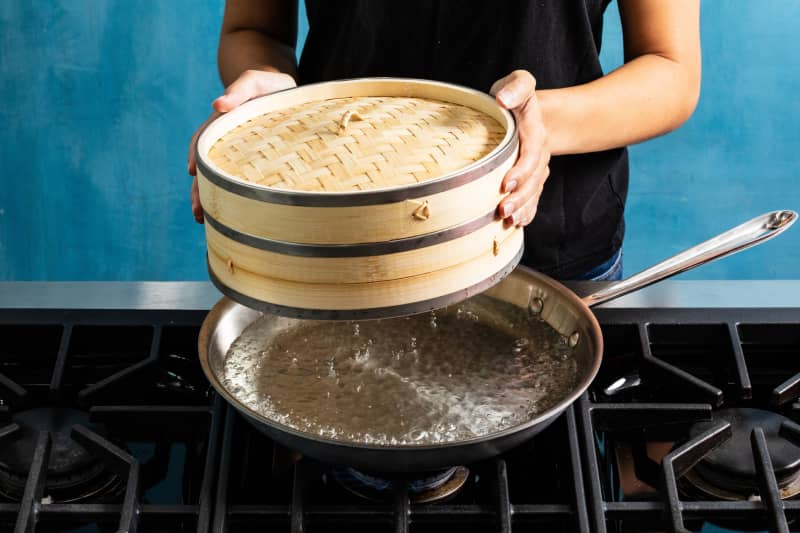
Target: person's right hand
[{"x": 250, "y": 84}]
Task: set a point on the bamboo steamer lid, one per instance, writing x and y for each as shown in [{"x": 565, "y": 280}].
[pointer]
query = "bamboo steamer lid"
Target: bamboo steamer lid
[{"x": 360, "y": 198}]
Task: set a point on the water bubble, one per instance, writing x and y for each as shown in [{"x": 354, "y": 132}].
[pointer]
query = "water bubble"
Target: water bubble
[
  {"x": 418, "y": 383},
  {"x": 362, "y": 354},
  {"x": 520, "y": 345},
  {"x": 418, "y": 435}
]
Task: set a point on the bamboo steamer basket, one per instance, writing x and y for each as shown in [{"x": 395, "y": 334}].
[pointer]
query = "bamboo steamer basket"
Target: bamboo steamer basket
[{"x": 361, "y": 198}]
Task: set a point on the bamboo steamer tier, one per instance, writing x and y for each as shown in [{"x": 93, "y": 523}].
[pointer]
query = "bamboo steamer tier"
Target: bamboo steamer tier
[{"x": 362, "y": 198}]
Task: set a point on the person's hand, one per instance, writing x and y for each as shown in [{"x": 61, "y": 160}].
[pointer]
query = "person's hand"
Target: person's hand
[
  {"x": 525, "y": 180},
  {"x": 250, "y": 84}
]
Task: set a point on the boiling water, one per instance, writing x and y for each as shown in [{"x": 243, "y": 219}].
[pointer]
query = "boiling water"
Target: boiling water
[{"x": 461, "y": 372}]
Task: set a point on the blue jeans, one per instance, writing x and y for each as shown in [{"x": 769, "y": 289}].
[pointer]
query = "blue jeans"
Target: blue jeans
[{"x": 610, "y": 270}]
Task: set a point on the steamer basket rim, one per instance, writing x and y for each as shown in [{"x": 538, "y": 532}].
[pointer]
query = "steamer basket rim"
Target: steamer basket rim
[{"x": 505, "y": 149}]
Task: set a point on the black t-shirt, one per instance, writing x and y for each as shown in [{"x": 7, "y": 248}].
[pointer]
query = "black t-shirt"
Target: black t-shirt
[{"x": 579, "y": 223}]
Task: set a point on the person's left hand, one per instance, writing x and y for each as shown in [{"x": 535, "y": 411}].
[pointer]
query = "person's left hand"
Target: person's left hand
[{"x": 525, "y": 180}]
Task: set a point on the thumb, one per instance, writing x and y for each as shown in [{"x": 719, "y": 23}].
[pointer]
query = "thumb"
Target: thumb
[
  {"x": 515, "y": 89},
  {"x": 250, "y": 84}
]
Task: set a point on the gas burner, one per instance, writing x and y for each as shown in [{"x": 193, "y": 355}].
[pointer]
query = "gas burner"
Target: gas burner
[
  {"x": 73, "y": 474},
  {"x": 729, "y": 472},
  {"x": 422, "y": 488}
]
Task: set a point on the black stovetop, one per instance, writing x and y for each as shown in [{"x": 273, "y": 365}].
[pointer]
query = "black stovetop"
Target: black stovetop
[{"x": 144, "y": 444}]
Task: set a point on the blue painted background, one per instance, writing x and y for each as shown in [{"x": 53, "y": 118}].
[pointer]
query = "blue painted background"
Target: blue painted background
[{"x": 99, "y": 97}]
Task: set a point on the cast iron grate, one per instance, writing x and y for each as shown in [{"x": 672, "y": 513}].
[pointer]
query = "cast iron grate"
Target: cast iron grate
[
  {"x": 186, "y": 462},
  {"x": 538, "y": 486},
  {"x": 668, "y": 371},
  {"x": 150, "y": 420}
]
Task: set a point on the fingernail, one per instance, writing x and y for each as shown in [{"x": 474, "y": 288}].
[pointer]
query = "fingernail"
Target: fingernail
[
  {"x": 507, "y": 209},
  {"x": 510, "y": 186},
  {"x": 219, "y": 102},
  {"x": 504, "y": 96}
]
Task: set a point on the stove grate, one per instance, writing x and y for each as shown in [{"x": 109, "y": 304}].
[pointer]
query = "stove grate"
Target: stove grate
[
  {"x": 493, "y": 509},
  {"x": 137, "y": 376},
  {"x": 714, "y": 359},
  {"x": 152, "y": 421}
]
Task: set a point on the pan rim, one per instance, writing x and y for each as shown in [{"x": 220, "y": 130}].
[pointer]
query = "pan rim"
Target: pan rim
[{"x": 206, "y": 334}]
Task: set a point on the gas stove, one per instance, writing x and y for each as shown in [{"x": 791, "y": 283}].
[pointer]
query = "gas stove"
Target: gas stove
[{"x": 108, "y": 424}]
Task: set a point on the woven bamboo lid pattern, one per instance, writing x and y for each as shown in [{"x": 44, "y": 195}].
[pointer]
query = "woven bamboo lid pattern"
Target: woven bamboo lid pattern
[{"x": 356, "y": 143}]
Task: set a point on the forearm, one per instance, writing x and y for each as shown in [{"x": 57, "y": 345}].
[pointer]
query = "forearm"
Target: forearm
[
  {"x": 247, "y": 49},
  {"x": 648, "y": 96}
]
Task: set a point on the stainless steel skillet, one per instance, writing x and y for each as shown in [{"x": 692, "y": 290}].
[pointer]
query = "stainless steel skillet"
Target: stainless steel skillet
[{"x": 524, "y": 288}]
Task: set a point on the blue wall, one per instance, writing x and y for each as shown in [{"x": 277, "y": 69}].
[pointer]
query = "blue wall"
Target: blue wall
[
  {"x": 99, "y": 98},
  {"x": 738, "y": 156}
]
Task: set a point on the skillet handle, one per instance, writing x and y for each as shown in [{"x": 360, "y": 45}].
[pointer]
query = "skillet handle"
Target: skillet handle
[{"x": 749, "y": 234}]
